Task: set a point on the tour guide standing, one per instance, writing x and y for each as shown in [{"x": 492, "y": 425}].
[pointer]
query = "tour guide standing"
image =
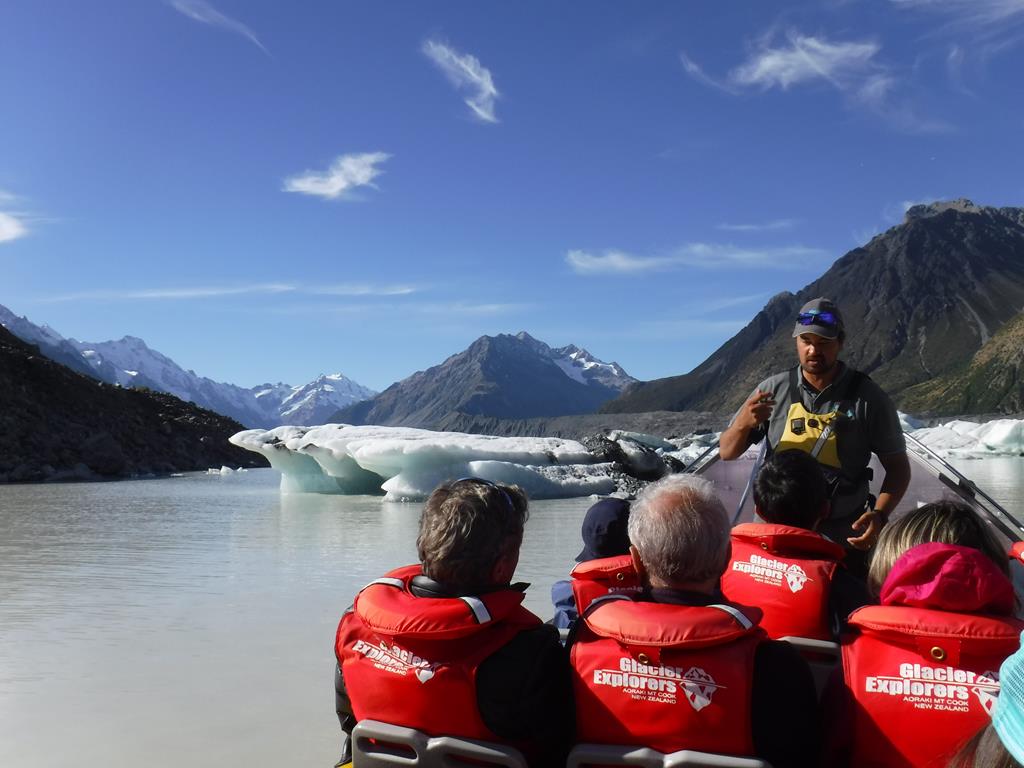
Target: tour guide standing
[{"x": 839, "y": 416}]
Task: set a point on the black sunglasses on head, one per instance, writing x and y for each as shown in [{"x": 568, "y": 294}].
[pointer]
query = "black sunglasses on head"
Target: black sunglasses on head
[{"x": 818, "y": 318}]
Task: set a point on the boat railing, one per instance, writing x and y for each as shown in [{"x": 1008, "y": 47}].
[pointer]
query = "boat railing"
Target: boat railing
[
  {"x": 383, "y": 745},
  {"x": 584, "y": 755}
]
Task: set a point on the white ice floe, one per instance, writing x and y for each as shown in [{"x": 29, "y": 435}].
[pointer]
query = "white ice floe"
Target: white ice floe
[
  {"x": 224, "y": 471},
  {"x": 409, "y": 463},
  {"x": 1001, "y": 437}
]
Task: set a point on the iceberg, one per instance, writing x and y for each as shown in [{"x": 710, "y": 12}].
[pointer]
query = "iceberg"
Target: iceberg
[
  {"x": 1000, "y": 437},
  {"x": 407, "y": 464}
]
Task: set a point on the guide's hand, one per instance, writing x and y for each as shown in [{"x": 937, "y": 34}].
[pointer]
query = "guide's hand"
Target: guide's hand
[
  {"x": 871, "y": 523},
  {"x": 757, "y": 409}
]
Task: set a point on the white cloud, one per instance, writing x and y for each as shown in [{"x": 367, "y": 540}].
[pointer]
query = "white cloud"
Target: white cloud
[
  {"x": 204, "y": 13},
  {"x": 470, "y": 308},
  {"x": 347, "y": 172},
  {"x": 465, "y": 72},
  {"x": 694, "y": 70},
  {"x": 695, "y": 255},
  {"x": 615, "y": 262},
  {"x": 364, "y": 290},
  {"x": 11, "y": 227},
  {"x": 768, "y": 226},
  {"x": 974, "y": 12},
  {"x": 806, "y": 58},
  {"x": 850, "y": 67},
  {"x": 193, "y": 292},
  {"x": 256, "y": 289}
]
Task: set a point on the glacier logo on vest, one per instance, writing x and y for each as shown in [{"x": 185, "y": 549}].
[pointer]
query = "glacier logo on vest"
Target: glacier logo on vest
[
  {"x": 659, "y": 683},
  {"x": 768, "y": 570},
  {"x": 945, "y": 689},
  {"x": 796, "y": 577},
  {"x": 395, "y": 659},
  {"x": 699, "y": 687}
]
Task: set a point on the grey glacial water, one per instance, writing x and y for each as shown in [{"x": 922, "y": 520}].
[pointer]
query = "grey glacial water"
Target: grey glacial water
[{"x": 190, "y": 620}]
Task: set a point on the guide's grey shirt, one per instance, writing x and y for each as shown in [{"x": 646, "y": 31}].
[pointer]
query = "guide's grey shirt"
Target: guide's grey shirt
[{"x": 875, "y": 428}]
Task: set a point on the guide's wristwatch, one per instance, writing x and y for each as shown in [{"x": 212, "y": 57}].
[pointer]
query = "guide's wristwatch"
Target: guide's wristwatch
[{"x": 882, "y": 515}]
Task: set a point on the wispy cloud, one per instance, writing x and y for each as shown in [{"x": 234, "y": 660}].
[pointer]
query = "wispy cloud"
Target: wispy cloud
[
  {"x": 470, "y": 308},
  {"x": 204, "y": 13},
  {"x": 227, "y": 291},
  {"x": 990, "y": 26},
  {"x": 804, "y": 58},
  {"x": 851, "y": 67},
  {"x": 978, "y": 13},
  {"x": 694, "y": 70},
  {"x": 694, "y": 255},
  {"x": 13, "y": 224},
  {"x": 346, "y": 173},
  {"x": 768, "y": 226},
  {"x": 404, "y": 309},
  {"x": 11, "y": 227},
  {"x": 465, "y": 72},
  {"x": 363, "y": 290}
]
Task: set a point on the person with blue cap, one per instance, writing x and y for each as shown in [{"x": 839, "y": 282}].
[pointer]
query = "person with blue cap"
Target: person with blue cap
[
  {"x": 604, "y": 535},
  {"x": 840, "y": 417}
]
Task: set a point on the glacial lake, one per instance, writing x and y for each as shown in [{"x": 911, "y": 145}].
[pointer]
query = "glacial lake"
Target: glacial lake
[{"x": 190, "y": 620}]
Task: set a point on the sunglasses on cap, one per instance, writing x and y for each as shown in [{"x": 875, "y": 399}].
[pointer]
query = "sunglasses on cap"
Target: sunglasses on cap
[{"x": 815, "y": 317}]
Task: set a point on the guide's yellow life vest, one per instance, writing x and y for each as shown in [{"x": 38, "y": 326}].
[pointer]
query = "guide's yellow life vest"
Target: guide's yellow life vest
[{"x": 812, "y": 433}]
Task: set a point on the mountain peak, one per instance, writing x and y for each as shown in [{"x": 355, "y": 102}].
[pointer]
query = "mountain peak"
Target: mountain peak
[
  {"x": 919, "y": 301},
  {"x": 926, "y": 210}
]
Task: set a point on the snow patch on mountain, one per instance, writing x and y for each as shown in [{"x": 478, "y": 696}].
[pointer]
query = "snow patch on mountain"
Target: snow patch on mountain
[{"x": 130, "y": 362}]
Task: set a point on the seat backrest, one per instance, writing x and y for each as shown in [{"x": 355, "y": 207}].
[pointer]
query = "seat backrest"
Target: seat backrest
[
  {"x": 822, "y": 656},
  {"x": 584, "y": 755},
  {"x": 382, "y": 745}
]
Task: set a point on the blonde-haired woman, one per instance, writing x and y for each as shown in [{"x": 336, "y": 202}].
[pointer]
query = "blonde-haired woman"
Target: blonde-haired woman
[{"x": 920, "y": 669}]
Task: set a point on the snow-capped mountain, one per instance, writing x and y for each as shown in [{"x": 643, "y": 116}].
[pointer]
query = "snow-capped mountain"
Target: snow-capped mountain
[
  {"x": 582, "y": 366},
  {"x": 504, "y": 376},
  {"x": 317, "y": 401},
  {"x": 131, "y": 363}
]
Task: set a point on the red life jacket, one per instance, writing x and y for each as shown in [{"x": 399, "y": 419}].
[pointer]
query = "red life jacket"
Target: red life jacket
[
  {"x": 592, "y": 579},
  {"x": 412, "y": 661},
  {"x": 787, "y": 573},
  {"x": 923, "y": 681},
  {"x": 669, "y": 677}
]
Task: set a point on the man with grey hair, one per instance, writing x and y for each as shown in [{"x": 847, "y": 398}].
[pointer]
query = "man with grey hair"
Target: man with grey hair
[
  {"x": 678, "y": 667},
  {"x": 445, "y": 646}
]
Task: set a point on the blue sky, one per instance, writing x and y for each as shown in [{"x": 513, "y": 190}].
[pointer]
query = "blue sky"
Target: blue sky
[{"x": 268, "y": 190}]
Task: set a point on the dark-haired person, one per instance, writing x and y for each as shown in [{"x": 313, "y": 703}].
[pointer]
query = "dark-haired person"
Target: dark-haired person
[
  {"x": 446, "y": 647},
  {"x": 677, "y": 667},
  {"x": 919, "y": 674},
  {"x": 837, "y": 415},
  {"x": 605, "y": 535},
  {"x": 783, "y": 566}
]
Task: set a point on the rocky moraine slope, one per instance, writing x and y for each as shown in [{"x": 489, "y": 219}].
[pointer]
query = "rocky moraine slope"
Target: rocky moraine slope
[{"x": 62, "y": 425}]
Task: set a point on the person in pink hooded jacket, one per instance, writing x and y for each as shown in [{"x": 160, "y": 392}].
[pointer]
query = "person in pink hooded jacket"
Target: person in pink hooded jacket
[{"x": 920, "y": 670}]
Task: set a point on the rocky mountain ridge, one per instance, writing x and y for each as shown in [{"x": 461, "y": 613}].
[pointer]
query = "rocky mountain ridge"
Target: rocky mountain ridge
[
  {"x": 919, "y": 301},
  {"x": 502, "y": 377}
]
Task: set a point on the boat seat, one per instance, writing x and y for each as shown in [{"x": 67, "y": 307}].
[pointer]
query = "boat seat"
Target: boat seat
[
  {"x": 644, "y": 757},
  {"x": 382, "y": 745},
  {"x": 822, "y": 656}
]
